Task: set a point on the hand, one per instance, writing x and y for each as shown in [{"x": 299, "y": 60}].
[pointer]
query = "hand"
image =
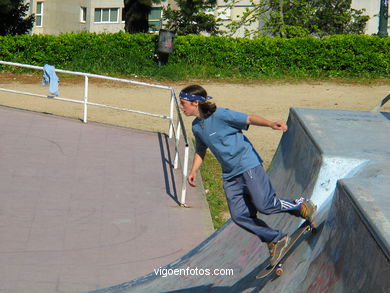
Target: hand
[
  {"x": 279, "y": 125},
  {"x": 191, "y": 179}
]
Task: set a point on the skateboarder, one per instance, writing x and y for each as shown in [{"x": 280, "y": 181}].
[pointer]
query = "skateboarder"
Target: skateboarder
[{"x": 247, "y": 187}]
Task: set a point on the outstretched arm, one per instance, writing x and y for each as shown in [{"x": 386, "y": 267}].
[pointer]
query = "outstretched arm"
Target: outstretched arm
[{"x": 260, "y": 121}]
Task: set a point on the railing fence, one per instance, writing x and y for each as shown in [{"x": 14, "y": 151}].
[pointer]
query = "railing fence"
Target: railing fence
[{"x": 173, "y": 131}]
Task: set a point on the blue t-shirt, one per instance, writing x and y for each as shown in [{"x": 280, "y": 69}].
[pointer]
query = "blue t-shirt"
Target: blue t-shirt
[{"x": 222, "y": 134}]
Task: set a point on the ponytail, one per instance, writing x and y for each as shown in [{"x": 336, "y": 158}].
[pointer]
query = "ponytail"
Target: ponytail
[{"x": 207, "y": 108}]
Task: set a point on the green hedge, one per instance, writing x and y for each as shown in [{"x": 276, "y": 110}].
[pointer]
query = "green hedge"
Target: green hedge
[
  {"x": 340, "y": 55},
  {"x": 205, "y": 57},
  {"x": 99, "y": 53}
]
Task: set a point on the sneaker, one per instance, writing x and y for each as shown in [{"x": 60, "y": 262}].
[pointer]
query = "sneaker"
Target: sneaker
[
  {"x": 308, "y": 210},
  {"x": 277, "y": 249}
]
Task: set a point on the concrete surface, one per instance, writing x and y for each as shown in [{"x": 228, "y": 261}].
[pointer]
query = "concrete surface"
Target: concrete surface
[
  {"x": 339, "y": 159},
  {"x": 86, "y": 206}
]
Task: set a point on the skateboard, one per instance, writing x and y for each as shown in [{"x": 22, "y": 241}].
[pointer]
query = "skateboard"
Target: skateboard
[{"x": 278, "y": 267}]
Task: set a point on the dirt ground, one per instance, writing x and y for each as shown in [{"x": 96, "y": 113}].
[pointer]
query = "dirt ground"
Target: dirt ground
[{"x": 271, "y": 100}]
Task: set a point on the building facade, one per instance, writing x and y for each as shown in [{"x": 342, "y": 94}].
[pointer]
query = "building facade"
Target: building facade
[
  {"x": 372, "y": 8},
  {"x": 59, "y": 16},
  {"x": 62, "y": 16}
]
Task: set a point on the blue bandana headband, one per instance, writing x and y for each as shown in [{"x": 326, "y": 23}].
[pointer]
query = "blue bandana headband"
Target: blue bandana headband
[{"x": 192, "y": 98}]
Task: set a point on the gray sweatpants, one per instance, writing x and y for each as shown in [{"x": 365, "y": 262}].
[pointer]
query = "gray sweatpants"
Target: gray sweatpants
[{"x": 252, "y": 192}]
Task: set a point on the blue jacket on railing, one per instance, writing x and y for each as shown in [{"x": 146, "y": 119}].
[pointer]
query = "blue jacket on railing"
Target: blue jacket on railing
[{"x": 49, "y": 76}]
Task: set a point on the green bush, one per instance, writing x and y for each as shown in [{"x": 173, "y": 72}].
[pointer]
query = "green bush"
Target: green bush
[
  {"x": 340, "y": 55},
  {"x": 87, "y": 52},
  {"x": 196, "y": 56}
]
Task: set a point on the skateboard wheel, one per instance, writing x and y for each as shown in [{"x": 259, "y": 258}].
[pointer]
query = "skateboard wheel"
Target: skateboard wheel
[
  {"x": 313, "y": 228},
  {"x": 279, "y": 271}
]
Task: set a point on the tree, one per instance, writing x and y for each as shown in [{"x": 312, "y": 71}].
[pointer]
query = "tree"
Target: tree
[
  {"x": 136, "y": 13},
  {"x": 191, "y": 17},
  {"x": 292, "y": 18},
  {"x": 13, "y": 17},
  {"x": 337, "y": 17}
]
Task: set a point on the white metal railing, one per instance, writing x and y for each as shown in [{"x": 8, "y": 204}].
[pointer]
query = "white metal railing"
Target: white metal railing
[{"x": 173, "y": 132}]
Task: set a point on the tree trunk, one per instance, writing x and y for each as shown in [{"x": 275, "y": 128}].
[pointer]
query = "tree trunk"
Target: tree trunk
[
  {"x": 282, "y": 33},
  {"x": 136, "y": 16}
]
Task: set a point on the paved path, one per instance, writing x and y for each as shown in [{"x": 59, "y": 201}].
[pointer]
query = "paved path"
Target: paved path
[{"x": 86, "y": 206}]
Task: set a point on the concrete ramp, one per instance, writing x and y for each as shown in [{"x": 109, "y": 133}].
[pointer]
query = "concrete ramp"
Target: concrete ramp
[{"x": 341, "y": 160}]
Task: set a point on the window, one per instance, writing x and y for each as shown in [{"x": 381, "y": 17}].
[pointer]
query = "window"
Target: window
[
  {"x": 155, "y": 19},
  {"x": 83, "y": 14},
  {"x": 106, "y": 14},
  {"x": 209, "y": 11},
  {"x": 39, "y": 14},
  {"x": 224, "y": 12}
]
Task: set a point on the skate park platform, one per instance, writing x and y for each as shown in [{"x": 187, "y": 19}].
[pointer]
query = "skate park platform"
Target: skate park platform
[
  {"x": 339, "y": 159},
  {"x": 87, "y": 206}
]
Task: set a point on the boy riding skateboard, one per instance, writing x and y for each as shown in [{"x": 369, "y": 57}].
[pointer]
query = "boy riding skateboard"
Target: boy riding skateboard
[{"x": 247, "y": 187}]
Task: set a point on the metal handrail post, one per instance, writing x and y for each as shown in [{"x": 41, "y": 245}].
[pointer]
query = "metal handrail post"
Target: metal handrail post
[
  {"x": 85, "y": 99},
  {"x": 185, "y": 173},
  {"x": 177, "y": 138},
  {"x": 171, "y": 111}
]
